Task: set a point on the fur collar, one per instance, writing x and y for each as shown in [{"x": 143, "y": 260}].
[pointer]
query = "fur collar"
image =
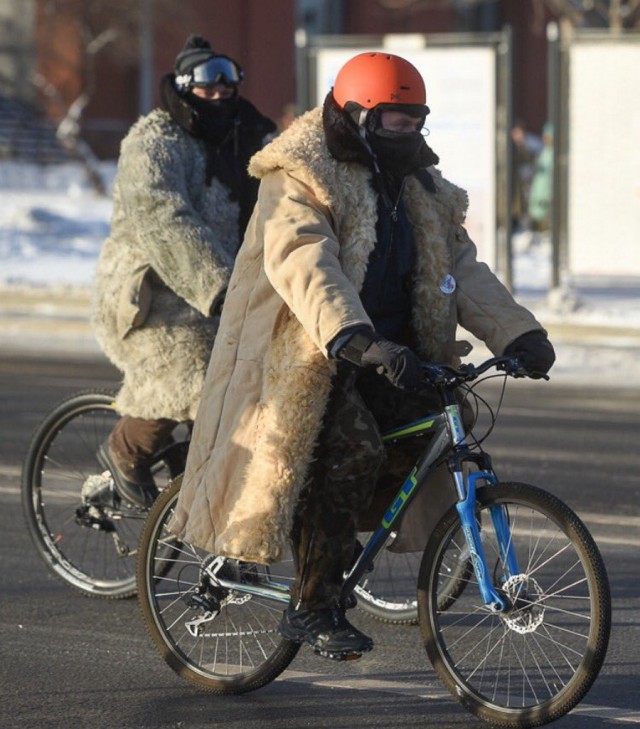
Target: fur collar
[{"x": 342, "y": 135}]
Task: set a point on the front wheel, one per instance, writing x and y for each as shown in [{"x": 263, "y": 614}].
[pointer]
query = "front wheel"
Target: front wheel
[
  {"x": 533, "y": 662},
  {"x": 222, "y": 639}
]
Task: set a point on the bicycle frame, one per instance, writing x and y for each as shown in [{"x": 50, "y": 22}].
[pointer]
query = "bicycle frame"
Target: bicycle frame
[{"x": 448, "y": 444}]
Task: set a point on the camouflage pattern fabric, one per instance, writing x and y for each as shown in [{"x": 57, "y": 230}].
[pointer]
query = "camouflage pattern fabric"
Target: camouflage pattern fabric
[{"x": 351, "y": 464}]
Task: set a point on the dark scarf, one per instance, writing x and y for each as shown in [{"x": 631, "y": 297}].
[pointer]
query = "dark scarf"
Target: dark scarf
[
  {"x": 232, "y": 131},
  {"x": 401, "y": 153},
  {"x": 215, "y": 118}
]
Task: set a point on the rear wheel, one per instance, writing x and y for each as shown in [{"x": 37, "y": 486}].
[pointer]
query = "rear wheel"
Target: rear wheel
[
  {"x": 223, "y": 640},
  {"x": 388, "y": 591},
  {"x": 532, "y": 663},
  {"x": 80, "y": 529}
]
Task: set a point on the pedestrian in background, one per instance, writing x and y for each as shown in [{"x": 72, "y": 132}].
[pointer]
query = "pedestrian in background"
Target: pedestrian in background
[
  {"x": 181, "y": 202},
  {"x": 542, "y": 184},
  {"x": 289, "y": 113},
  {"x": 525, "y": 149}
]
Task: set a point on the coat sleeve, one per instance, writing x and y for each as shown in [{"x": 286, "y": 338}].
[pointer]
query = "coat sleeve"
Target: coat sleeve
[
  {"x": 485, "y": 306},
  {"x": 302, "y": 259},
  {"x": 180, "y": 247}
]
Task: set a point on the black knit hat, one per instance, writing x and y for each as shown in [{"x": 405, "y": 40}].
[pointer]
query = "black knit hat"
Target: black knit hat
[
  {"x": 198, "y": 65},
  {"x": 196, "y": 50}
]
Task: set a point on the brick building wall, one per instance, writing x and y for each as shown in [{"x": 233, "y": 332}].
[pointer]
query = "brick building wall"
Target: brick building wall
[{"x": 259, "y": 34}]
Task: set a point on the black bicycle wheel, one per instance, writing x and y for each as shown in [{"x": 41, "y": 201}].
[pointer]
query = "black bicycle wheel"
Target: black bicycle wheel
[
  {"x": 76, "y": 524},
  {"x": 534, "y": 662},
  {"x": 224, "y": 641}
]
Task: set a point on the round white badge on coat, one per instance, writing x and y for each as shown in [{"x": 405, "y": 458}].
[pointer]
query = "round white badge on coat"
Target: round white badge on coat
[{"x": 448, "y": 285}]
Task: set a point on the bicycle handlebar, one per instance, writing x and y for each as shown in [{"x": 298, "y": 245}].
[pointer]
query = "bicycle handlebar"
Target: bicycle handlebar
[{"x": 449, "y": 376}]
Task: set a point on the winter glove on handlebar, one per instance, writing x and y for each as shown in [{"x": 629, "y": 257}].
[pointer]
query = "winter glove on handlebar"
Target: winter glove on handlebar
[
  {"x": 398, "y": 363},
  {"x": 534, "y": 350}
]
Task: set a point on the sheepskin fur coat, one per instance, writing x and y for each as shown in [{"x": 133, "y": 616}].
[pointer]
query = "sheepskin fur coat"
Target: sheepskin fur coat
[
  {"x": 293, "y": 289},
  {"x": 164, "y": 268}
]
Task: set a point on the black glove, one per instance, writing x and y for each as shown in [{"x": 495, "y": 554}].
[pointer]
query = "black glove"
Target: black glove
[
  {"x": 398, "y": 364},
  {"x": 534, "y": 350}
]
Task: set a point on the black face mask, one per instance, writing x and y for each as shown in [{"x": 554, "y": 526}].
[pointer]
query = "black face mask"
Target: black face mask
[
  {"x": 398, "y": 153},
  {"x": 215, "y": 116}
]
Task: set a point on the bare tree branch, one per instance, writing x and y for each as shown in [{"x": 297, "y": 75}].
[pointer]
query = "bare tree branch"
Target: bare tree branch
[
  {"x": 616, "y": 14},
  {"x": 565, "y": 9},
  {"x": 68, "y": 131}
]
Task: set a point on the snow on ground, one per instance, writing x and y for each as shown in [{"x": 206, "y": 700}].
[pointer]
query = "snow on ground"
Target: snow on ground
[{"x": 52, "y": 226}]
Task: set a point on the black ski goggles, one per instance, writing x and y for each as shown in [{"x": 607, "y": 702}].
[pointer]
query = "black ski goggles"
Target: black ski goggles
[
  {"x": 419, "y": 111},
  {"x": 217, "y": 70}
]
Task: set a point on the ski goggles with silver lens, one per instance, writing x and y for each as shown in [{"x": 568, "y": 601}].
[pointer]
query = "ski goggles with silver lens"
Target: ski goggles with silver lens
[{"x": 218, "y": 70}]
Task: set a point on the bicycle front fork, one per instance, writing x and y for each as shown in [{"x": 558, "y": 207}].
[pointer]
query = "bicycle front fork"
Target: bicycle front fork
[{"x": 466, "y": 506}]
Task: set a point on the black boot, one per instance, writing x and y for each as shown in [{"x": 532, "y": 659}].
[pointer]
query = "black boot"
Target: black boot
[
  {"x": 327, "y": 630},
  {"x": 134, "y": 482}
]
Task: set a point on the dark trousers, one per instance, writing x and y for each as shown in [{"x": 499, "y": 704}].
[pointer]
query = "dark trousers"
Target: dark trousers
[
  {"x": 350, "y": 463},
  {"x": 134, "y": 440}
]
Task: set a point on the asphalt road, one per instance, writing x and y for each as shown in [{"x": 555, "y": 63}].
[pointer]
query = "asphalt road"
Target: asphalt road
[{"x": 71, "y": 661}]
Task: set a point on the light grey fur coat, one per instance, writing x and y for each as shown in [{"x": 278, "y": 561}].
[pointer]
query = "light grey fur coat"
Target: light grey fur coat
[{"x": 166, "y": 262}]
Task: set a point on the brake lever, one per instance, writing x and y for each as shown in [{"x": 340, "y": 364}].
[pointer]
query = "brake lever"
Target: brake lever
[
  {"x": 513, "y": 367},
  {"x": 468, "y": 369},
  {"x": 516, "y": 369},
  {"x": 434, "y": 374},
  {"x": 538, "y": 376}
]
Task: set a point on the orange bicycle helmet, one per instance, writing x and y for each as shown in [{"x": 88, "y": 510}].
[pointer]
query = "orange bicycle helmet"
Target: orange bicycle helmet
[{"x": 369, "y": 79}]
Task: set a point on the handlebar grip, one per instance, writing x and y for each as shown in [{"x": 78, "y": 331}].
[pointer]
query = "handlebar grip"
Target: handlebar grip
[{"x": 436, "y": 374}]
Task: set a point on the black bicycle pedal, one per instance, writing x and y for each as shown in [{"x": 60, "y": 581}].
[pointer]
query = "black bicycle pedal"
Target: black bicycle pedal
[{"x": 339, "y": 655}]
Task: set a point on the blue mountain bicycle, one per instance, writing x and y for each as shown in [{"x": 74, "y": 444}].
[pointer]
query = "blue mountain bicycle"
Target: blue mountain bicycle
[{"x": 512, "y": 593}]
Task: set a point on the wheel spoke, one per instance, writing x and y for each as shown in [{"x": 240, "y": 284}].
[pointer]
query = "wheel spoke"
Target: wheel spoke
[{"x": 388, "y": 590}]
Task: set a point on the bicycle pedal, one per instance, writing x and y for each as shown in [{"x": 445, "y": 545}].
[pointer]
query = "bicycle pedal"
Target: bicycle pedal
[{"x": 338, "y": 655}]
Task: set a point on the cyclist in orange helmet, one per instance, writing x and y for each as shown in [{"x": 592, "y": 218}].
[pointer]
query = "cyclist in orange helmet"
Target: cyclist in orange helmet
[{"x": 355, "y": 266}]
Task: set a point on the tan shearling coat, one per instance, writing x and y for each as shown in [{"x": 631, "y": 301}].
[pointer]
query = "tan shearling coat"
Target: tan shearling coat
[{"x": 294, "y": 287}]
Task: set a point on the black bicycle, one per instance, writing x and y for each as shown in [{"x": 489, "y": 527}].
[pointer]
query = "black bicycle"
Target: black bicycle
[
  {"x": 80, "y": 528},
  {"x": 513, "y": 597},
  {"x": 87, "y": 537}
]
